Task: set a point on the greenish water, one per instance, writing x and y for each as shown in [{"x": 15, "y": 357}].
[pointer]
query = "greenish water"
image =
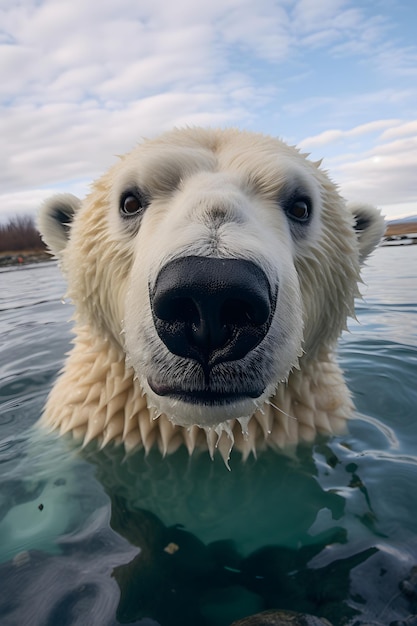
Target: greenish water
[{"x": 102, "y": 540}]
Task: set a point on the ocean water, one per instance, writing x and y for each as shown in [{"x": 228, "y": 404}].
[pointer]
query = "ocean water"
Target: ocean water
[{"x": 98, "y": 539}]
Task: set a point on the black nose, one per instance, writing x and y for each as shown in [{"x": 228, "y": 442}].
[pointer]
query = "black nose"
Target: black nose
[{"x": 211, "y": 310}]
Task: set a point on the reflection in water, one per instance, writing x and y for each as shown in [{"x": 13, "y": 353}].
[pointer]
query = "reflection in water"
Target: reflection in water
[
  {"x": 152, "y": 547},
  {"x": 177, "y": 579},
  {"x": 312, "y": 575}
]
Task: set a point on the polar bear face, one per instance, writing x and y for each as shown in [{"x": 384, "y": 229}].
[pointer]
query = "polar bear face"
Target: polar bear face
[{"x": 217, "y": 262}]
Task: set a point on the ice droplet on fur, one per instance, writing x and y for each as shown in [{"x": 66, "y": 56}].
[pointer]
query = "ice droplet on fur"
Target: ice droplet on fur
[
  {"x": 244, "y": 421},
  {"x": 224, "y": 427}
]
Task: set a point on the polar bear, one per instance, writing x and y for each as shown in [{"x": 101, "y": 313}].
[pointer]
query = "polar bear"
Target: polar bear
[{"x": 212, "y": 272}]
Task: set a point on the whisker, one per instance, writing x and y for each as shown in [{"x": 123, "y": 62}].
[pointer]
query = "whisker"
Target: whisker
[{"x": 281, "y": 411}]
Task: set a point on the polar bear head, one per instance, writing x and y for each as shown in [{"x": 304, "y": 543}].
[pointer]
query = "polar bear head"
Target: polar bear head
[{"x": 215, "y": 264}]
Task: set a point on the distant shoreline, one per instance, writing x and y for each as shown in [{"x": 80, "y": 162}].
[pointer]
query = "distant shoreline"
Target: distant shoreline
[
  {"x": 24, "y": 257},
  {"x": 400, "y": 229},
  {"x": 398, "y": 234}
]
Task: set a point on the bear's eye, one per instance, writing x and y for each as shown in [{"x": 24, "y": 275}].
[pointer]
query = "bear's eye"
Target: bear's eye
[
  {"x": 132, "y": 204},
  {"x": 299, "y": 210}
]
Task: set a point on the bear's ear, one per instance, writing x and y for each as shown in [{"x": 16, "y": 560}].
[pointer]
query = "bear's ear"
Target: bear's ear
[
  {"x": 55, "y": 218},
  {"x": 369, "y": 226}
]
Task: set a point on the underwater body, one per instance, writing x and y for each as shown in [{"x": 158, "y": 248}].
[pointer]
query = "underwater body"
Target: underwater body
[{"x": 328, "y": 530}]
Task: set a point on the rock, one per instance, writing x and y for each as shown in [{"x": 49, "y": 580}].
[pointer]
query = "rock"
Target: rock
[{"x": 281, "y": 618}]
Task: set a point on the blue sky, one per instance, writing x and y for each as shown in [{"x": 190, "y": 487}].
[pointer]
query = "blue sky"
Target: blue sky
[{"x": 84, "y": 81}]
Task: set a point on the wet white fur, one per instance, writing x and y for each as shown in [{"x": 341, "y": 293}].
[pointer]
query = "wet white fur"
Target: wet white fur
[{"x": 193, "y": 176}]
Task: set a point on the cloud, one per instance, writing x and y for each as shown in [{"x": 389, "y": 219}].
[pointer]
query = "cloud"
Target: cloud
[
  {"x": 384, "y": 175},
  {"x": 337, "y": 135},
  {"x": 377, "y": 164},
  {"x": 83, "y": 81},
  {"x": 401, "y": 130},
  {"x": 91, "y": 136}
]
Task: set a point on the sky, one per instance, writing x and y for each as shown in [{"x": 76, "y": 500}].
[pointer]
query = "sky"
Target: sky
[{"x": 84, "y": 81}]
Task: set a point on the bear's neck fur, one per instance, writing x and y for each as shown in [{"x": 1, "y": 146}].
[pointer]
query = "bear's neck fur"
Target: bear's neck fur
[{"x": 99, "y": 397}]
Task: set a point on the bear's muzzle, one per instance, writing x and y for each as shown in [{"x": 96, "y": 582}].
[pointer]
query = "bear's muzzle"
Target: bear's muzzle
[{"x": 212, "y": 310}]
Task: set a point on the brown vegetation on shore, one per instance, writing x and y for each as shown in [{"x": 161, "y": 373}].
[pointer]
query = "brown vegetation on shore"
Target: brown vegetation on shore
[
  {"x": 401, "y": 228},
  {"x": 20, "y": 234},
  {"x": 20, "y": 242}
]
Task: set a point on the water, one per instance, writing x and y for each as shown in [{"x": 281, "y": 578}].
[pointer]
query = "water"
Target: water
[{"x": 100, "y": 540}]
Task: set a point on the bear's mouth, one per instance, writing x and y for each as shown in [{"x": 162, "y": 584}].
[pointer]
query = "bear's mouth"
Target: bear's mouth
[
  {"x": 211, "y": 314},
  {"x": 206, "y": 397}
]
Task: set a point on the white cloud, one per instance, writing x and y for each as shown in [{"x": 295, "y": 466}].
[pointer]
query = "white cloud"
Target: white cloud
[
  {"x": 402, "y": 130},
  {"x": 336, "y": 135},
  {"x": 28, "y": 202},
  {"x": 312, "y": 15},
  {"x": 377, "y": 164},
  {"x": 384, "y": 175},
  {"x": 83, "y": 81},
  {"x": 91, "y": 136}
]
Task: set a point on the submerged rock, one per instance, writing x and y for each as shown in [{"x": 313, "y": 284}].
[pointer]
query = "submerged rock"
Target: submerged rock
[{"x": 282, "y": 618}]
